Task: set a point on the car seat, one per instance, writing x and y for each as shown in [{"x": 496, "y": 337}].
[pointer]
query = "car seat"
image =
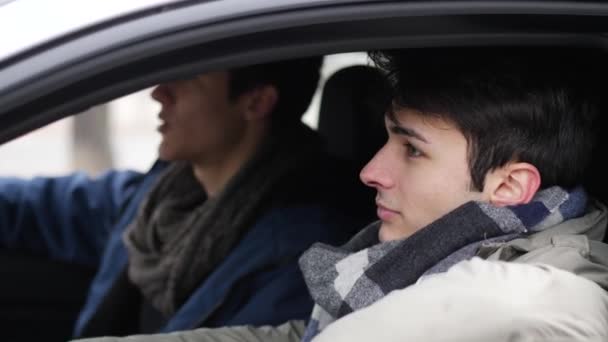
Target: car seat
[
  {"x": 351, "y": 122},
  {"x": 352, "y": 111},
  {"x": 596, "y": 182}
]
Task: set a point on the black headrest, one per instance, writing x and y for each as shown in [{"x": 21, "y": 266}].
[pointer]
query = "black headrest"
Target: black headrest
[{"x": 351, "y": 113}]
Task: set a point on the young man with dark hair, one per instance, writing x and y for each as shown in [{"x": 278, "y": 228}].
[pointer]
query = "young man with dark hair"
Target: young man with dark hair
[
  {"x": 487, "y": 152},
  {"x": 212, "y": 234}
]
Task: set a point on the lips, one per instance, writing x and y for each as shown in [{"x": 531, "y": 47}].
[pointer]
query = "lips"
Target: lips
[
  {"x": 162, "y": 128},
  {"x": 163, "y": 125},
  {"x": 384, "y": 213}
]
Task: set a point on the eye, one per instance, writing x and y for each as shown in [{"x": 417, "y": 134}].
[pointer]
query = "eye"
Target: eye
[{"x": 412, "y": 151}]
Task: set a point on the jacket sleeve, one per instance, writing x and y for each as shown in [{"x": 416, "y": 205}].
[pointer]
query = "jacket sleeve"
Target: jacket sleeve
[
  {"x": 66, "y": 218},
  {"x": 271, "y": 289},
  {"x": 288, "y": 332},
  {"x": 259, "y": 283},
  {"x": 270, "y": 295}
]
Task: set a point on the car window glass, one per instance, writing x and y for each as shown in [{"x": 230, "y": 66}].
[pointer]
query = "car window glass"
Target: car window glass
[{"x": 120, "y": 134}]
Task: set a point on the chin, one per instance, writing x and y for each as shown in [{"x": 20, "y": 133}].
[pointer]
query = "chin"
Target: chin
[
  {"x": 388, "y": 233},
  {"x": 164, "y": 158},
  {"x": 384, "y": 234},
  {"x": 165, "y": 153}
]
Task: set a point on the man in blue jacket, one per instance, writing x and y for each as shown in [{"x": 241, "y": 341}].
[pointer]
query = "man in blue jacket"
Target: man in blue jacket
[{"x": 210, "y": 236}]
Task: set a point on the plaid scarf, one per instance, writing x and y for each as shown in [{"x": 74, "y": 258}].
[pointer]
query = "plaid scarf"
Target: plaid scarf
[{"x": 345, "y": 279}]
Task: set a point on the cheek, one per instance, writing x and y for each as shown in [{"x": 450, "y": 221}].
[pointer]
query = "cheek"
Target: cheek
[
  {"x": 216, "y": 132},
  {"x": 422, "y": 202},
  {"x": 427, "y": 194},
  {"x": 455, "y": 193}
]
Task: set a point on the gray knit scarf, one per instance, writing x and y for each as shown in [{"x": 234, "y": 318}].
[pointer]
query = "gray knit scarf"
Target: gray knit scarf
[
  {"x": 345, "y": 279},
  {"x": 180, "y": 235}
]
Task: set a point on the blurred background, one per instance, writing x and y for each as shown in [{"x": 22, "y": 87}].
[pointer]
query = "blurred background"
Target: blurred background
[{"x": 120, "y": 134}]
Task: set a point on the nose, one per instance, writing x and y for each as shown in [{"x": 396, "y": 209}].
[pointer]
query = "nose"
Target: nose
[
  {"x": 163, "y": 95},
  {"x": 376, "y": 173}
]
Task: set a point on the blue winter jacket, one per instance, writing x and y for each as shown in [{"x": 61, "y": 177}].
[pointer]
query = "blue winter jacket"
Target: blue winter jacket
[{"x": 81, "y": 220}]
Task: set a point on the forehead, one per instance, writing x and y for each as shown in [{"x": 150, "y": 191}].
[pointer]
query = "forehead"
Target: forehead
[
  {"x": 213, "y": 77},
  {"x": 431, "y": 124}
]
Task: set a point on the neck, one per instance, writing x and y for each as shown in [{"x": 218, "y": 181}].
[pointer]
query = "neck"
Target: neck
[{"x": 214, "y": 173}]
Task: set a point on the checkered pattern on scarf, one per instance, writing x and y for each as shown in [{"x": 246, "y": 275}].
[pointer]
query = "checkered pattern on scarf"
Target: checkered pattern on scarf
[{"x": 345, "y": 279}]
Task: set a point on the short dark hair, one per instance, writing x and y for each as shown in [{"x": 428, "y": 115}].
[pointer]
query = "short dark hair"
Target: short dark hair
[
  {"x": 534, "y": 105},
  {"x": 296, "y": 81}
]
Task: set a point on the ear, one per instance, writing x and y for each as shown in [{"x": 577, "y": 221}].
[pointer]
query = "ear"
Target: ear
[
  {"x": 512, "y": 184},
  {"x": 260, "y": 102}
]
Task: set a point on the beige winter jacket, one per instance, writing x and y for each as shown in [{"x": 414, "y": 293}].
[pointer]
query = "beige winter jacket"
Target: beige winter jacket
[{"x": 574, "y": 246}]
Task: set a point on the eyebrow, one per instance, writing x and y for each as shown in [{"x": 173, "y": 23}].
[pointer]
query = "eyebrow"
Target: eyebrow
[{"x": 400, "y": 130}]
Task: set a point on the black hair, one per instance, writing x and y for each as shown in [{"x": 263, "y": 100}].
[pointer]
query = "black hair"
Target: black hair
[
  {"x": 296, "y": 81},
  {"x": 534, "y": 105}
]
